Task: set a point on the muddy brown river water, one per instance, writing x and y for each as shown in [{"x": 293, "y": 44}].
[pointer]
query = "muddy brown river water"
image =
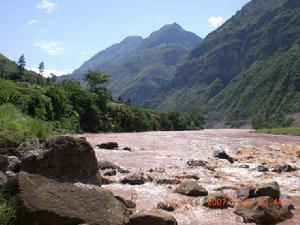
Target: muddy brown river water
[{"x": 167, "y": 153}]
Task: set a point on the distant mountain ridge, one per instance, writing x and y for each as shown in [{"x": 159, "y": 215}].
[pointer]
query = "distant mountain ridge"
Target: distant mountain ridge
[
  {"x": 137, "y": 67},
  {"x": 248, "y": 66}
]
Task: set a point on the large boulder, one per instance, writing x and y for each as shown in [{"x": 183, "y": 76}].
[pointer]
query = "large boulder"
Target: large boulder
[
  {"x": 191, "y": 188},
  {"x": 263, "y": 211},
  {"x": 39, "y": 200},
  {"x": 153, "y": 217},
  {"x": 62, "y": 158}
]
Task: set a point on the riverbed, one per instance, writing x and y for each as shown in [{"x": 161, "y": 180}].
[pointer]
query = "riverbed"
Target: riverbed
[{"x": 164, "y": 155}]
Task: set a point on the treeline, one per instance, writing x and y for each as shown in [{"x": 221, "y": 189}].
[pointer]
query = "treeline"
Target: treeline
[{"x": 68, "y": 107}]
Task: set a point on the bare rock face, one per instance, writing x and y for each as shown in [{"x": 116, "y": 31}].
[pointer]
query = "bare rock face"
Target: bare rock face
[
  {"x": 153, "y": 217},
  {"x": 263, "y": 210},
  {"x": 39, "y": 200},
  {"x": 191, "y": 188},
  {"x": 62, "y": 158}
]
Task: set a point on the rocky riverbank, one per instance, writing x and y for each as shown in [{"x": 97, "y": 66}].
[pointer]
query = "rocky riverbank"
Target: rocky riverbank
[
  {"x": 166, "y": 159},
  {"x": 168, "y": 178}
]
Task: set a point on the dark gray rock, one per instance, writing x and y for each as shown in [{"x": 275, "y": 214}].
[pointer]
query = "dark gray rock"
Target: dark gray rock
[
  {"x": 191, "y": 188},
  {"x": 109, "y": 145},
  {"x": 284, "y": 169},
  {"x": 39, "y": 200},
  {"x": 153, "y": 217},
  {"x": 62, "y": 158},
  {"x": 110, "y": 173},
  {"x": 135, "y": 179},
  {"x": 221, "y": 154},
  {"x": 263, "y": 211},
  {"x": 166, "y": 206},
  {"x": 262, "y": 169}
]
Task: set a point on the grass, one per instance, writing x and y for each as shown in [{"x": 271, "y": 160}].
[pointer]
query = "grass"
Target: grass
[
  {"x": 7, "y": 213},
  {"x": 17, "y": 127},
  {"x": 293, "y": 131}
]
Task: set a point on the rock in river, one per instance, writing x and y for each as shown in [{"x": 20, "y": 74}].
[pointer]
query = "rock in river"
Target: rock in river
[
  {"x": 135, "y": 179},
  {"x": 217, "y": 201},
  {"x": 221, "y": 154},
  {"x": 263, "y": 211},
  {"x": 109, "y": 145},
  {"x": 153, "y": 217},
  {"x": 191, "y": 188},
  {"x": 62, "y": 158},
  {"x": 39, "y": 200}
]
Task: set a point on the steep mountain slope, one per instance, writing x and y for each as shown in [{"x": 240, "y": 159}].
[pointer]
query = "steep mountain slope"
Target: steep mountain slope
[
  {"x": 9, "y": 70},
  {"x": 250, "y": 65},
  {"x": 137, "y": 67}
]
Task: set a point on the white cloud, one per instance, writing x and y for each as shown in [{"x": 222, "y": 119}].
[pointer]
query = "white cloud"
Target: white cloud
[
  {"x": 29, "y": 24},
  {"x": 51, "y": 47},
  {"x": 47, "y": 6},
  {"x": 84, "y": 52},
  {"x": 215, "y": 21},
  {"x": 47, "y": 72}
]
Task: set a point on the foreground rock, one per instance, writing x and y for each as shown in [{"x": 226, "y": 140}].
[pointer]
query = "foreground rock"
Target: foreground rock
[
  {"x": 217, "y": 201},
  {"x": 153, "y": 217},
  {"x": 39, "y": 200},
  {"x": 221, "y": 154},
  {"x": 62, "y": 158},
  {"x": 135, "y": 179},
  {"x": 191, "y": 188},
  {"x": 263, "y": 211},
  {"x": 109, "y": 145}
]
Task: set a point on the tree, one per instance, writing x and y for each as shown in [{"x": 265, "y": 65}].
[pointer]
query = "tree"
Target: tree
[
  {"x": 21, "y": 65},
  {"x": 41, "y": 68},
  {"x": 94, "y": 79}
]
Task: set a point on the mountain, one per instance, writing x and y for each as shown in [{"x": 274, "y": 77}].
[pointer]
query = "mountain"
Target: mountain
[
  {"x": 137, "y": 67},
  {"x": 247, "y": 67}
]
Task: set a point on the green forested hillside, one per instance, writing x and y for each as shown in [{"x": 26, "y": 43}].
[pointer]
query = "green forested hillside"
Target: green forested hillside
[
  {"x": 9, "y": 70},
  {"x": 137, "y": 67},
  {"x": 31, "y": 110},
  {"x": 248, "y": 67}
]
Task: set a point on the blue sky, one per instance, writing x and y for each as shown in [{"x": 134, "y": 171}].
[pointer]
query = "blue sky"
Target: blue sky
[{"x": 65, "y": 33}]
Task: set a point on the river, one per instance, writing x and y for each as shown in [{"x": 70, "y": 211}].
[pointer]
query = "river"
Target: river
[{"x": 167, "y": 153}]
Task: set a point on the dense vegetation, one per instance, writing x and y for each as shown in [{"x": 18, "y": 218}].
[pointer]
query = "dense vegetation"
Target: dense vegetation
[
  {"x": 31, "y": 110},
  {"x": 248, "y": 67},
  {"x": 138, "y": 67}
]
